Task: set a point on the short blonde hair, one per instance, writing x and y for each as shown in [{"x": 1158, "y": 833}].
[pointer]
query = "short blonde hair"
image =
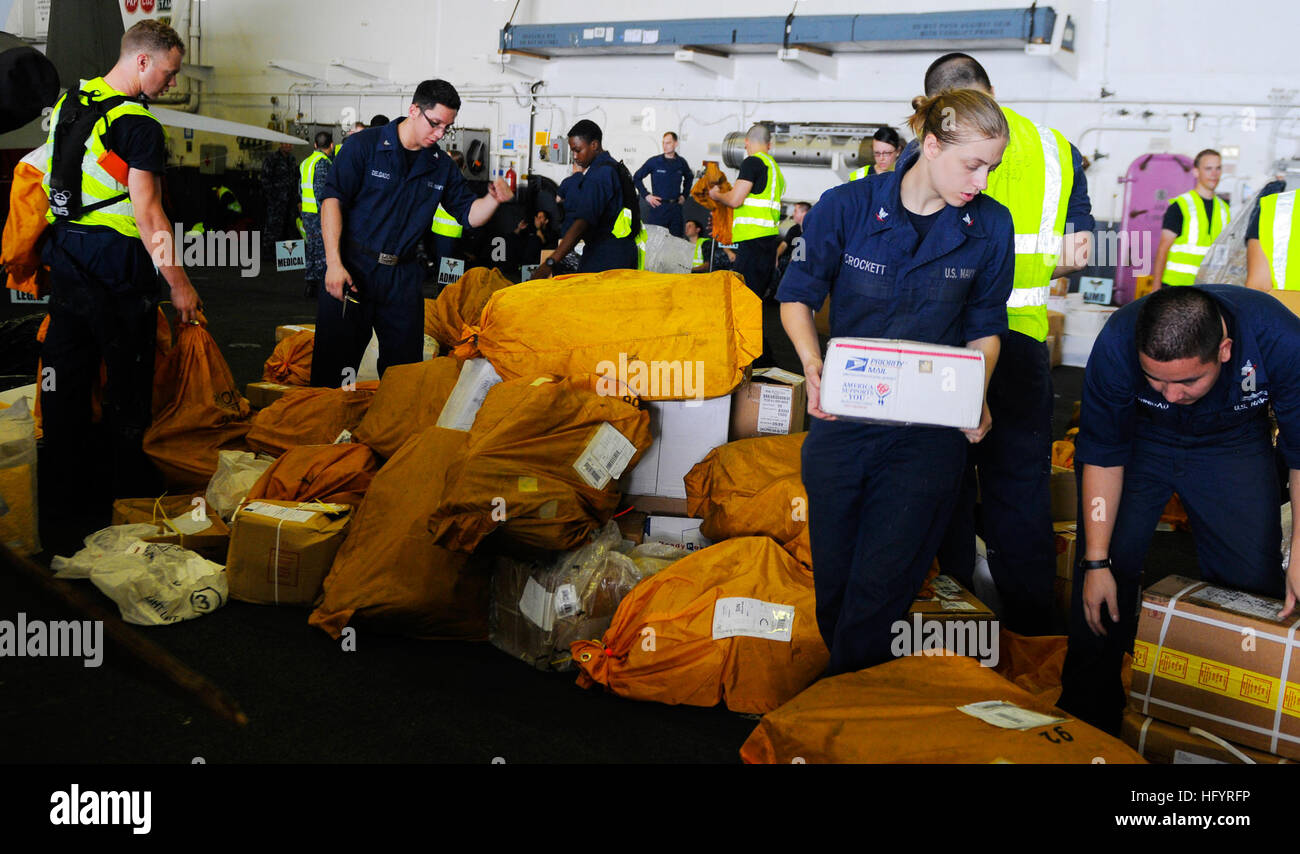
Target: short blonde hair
[
  {"x": 958, "y": 115},
  {"x": 152, "y": 37}
]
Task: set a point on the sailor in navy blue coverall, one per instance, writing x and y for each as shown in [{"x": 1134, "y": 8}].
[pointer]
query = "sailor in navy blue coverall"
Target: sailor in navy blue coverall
[
  {"x": 880, "y": 496},
  {"x": 670, "y": 184},
  {"x": 1175, "y": 399},
  {"x": 383, "y": 190}
]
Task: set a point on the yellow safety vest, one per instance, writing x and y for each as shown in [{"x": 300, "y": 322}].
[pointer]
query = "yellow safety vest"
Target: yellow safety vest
[
  {"x": 698, "y": 260},
  {"x": 1279, "y": 237},
  {"x": 623, "y": 227},
  {"x": 445, "y": 224},
  {"x": 1034, "y": 182},
  {"x": 760, "y": 214},
  {"x": 860, "y": 173},
  {"x": 232, "y": 204},
  {"x": 1189, "y": 250},
  {"x": 307, "y": 171},
  {"x": 96, "y": 184}
]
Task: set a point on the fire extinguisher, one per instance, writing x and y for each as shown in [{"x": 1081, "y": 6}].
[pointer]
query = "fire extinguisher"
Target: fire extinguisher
[{"x": 511, "y": 178}]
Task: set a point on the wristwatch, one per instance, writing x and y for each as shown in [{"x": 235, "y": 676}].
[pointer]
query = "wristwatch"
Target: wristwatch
[
  {"x": 550, "y": 262},
  {"x": 1104, "y": 563}
]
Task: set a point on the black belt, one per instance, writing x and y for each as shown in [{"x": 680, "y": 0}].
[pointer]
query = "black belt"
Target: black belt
[{"x": 388, "y": 259}]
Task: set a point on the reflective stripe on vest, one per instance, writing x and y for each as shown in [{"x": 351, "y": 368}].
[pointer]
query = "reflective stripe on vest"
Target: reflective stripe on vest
[
  {"x": 698, "y": 260},
  {"x": 445, "y": 224},
  {"x": 307, "y": 171},
  {"x": 642, "y": 239},
  {"x": 623, "y": 224},
  {"x": 1034, "y": 182},
  {"x": 1189, "y": 250},
  {"x": 860, "y": 173},
  {"x": 760, "y": 214},
  {"x": 1279, "y": 237},
  {"x": 96, "y": 184}
]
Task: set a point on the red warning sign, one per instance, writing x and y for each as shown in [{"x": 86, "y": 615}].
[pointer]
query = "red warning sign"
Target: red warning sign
[
  {"x": 146, "y": 6},
  {"x": 130, "y": 6}
]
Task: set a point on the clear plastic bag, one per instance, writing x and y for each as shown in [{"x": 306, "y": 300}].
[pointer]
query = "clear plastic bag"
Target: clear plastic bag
[
  {"x": 665, "y": 253},
  {"x": 237, "y": 471},
  {"x": 153, "y": 584},
  {"x": 539, "y": 609}
]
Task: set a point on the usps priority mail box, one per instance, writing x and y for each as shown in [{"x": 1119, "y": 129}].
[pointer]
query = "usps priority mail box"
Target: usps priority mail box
[{"x": 902, "y": 382}]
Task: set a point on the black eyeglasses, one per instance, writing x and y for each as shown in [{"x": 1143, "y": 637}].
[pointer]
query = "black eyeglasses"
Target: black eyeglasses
[{"x": 433, "y": 125}]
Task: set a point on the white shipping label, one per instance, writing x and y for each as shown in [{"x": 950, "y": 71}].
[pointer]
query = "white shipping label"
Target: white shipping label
[
  {"x": 1007, "y": 715},
  {"x": 1182, "y": 757},
  {"x": 946, "y": 586},
  {"x": 343, "y": 438},
  {"x": 774, "y": 405},
  {"x": 735, "y": 616},
  {"x": 1239, "y": 603},
  {"x": 535, "y": 604},
  {"x": 605, "y": 457},
  {"x": 779, "y": 375},
  {"x": 566, "y": 601},
  {"x": 956, "y": 605},
  {"x": 287, "y": 514},
  {"x": 187, "y": 525}
]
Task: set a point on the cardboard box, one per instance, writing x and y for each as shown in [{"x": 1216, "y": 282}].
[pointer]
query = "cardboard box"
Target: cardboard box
[
  {"x": 1054, "y": 350},
  {"x": 1059, "y": 287},
  {"x": 262, "y": 394},
  {"x": 822, "y": 318},
  {"x": 657, "y": 504},
  {"x": 771, "y": 402},
  {"x": 1165, "y": 744},
  {"x": 684, "y": 431},
  {"x": 281, "y": 551},
  {"x": 1066, "y": 553},
  {"x": 283, "y": 332},
  {"x": 1142, "y": 286},
  {"x": 683, "y": 533},
  {"x": 1218, "y": 659},
  {"x": 1055, "y": 323},
  {"x": 903, "y": 382},
  {"x": 1075, "y": 350},
  {"x": 631, "y": 524},
  {"x": 950, "y": 602},
  {"x": 1087, "y": 320},
  {"x": 1290, "y": 299},
  {"x": 207, "y": 535},
  {"x": 1065, "y": 494}
]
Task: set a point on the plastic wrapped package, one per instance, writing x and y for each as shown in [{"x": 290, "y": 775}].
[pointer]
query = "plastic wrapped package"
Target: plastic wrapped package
[
  {"x": 153, "y": 584},
  {"x": 1225, "y": 262},
  {"x": 236, "y": 473},
  {"x": 539, "y": 609},
  {"x": 18, "y": 507},
  {"x": 665, "y": 253}
]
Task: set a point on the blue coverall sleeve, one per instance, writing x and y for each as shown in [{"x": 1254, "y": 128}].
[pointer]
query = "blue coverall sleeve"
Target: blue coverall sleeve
[
  {"x": 639, "y": 176},
  {"x": 1280, "y": 351},
  {"x": 1078, "y": 211},
  {"x": 986, "y": 306},
  {"x": 458, "y": 197},
  {"x": 347, "y": 172},
  {"x": 1107, "y": 413},
  {"x": 809, "y": 279}
]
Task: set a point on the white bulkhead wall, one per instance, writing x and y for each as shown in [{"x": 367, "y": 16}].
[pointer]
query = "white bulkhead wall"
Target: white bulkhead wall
[{"x": 1168, "y": 59}]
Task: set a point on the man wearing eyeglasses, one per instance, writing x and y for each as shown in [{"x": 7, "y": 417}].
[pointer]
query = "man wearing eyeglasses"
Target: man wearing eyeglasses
[{"x": 383, "y": 190}]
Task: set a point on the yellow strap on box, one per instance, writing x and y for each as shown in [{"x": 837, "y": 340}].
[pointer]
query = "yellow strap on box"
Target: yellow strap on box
[{"x": 1215, "y": 677}]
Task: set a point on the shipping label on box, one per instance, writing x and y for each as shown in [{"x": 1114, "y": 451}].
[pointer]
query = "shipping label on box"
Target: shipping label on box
[
  {"x": 772, "y": 402},
  {"x": 281, "y": 551},
  {"x": 684, "y": 431},
  {"x": 1219, "y": 659},
  {"x": 282, "y": 332},
  {"x": 674, "y": 531},
  {"x": 903, "y": 382}
]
